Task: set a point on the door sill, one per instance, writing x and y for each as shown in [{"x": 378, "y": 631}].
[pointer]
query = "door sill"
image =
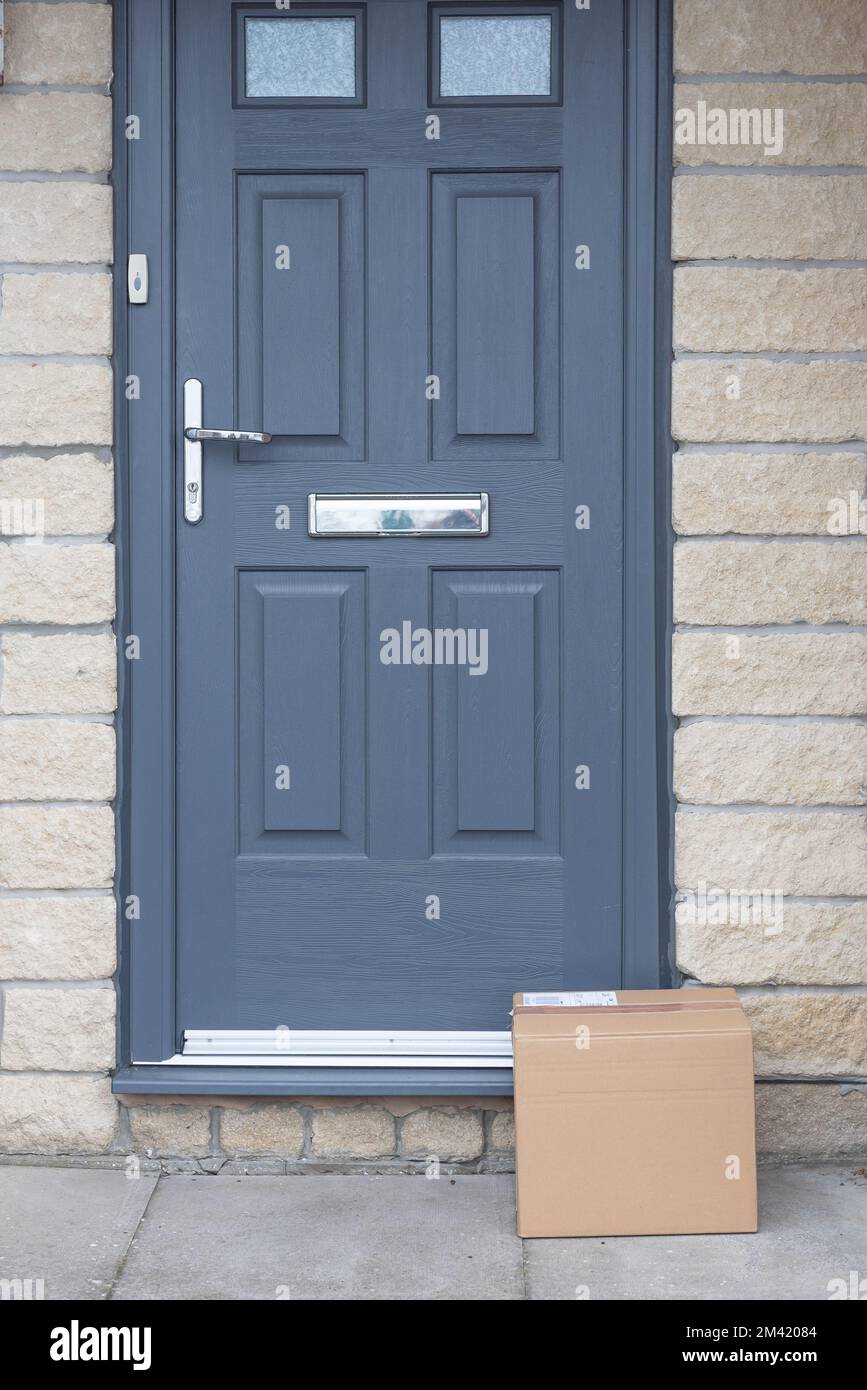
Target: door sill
[{"x": 193, "y": 1079}]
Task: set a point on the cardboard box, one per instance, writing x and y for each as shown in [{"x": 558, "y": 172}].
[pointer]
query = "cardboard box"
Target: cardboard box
[{"x": 634, "y": 1117}]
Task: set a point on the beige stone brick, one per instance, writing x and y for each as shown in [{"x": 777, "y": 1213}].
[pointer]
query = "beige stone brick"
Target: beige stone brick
[
  {"x": 811, "y": 1121},
  {"x": 56, "y": 760},
  {"x": 58, "y": 44},
  {"x": 809, "y": 944},
  {"x": 56, "y": 847},
  {"x": 806, "y": 854},
  {"x": 272, "y": 1129},
  {"x": 747, "y": 399},
  {"x": 64, "y": 674},
  {"x": 503, "y": 1132},
  {"x": 58, "y": 221},
  {"x": 823, "y": 123},
  {"x": 763, "y": 217},
  {"x": 55, "y": 132},
  {"x": 808, "y": 1035},
  {"x": 63, "y": 938},
  {"x": 750, "y": 582},
  {"x": 442, "y": 1133},
  {"x": 56, "y": 1114},
  {"x": 56, "y": 583},
  {"x": 162, "y": 1131},
  {"x": 768, "y": 494},
  {"x": 401, "y": 1106},
  {"x": 785, "y": 764},
  {"x": 52, "y": 312},
  {"x": 53, "y": 403},
  {"x": 739, "y": 309},
  {"x": 58, "y": 1029},
  {"x": 770, "y": 36},
  {"x": 354, "y": 1132},
  {"x": 65, "y": 495},
  {"x": 801, "y": 673}
]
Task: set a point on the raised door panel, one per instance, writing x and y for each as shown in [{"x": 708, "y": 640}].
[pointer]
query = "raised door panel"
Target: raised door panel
[
  {"x": 495, "y": 307},
  {"x": 496, "y": 717},
  {"x": 301, "y": 315},
  {"x": 301, "y": 713}
]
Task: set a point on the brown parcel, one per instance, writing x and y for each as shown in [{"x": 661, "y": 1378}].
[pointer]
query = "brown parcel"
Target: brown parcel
[{"x": 635, "y": 1119}]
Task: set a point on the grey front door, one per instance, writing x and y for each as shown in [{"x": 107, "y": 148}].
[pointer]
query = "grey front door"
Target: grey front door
[{"x": 399, "y": 253}]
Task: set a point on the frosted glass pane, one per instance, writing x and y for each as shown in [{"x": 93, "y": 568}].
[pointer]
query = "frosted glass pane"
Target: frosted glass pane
[
  {"x": 495, "y": 56},
  {"x": 300, "y": 57}
]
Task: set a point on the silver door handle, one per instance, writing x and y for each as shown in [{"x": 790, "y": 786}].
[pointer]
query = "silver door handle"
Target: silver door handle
[
  {"x": 194, "y": 434},
  {"x": 239, "y": 436}
]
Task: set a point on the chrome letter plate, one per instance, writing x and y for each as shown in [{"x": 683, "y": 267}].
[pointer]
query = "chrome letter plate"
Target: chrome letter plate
[{"x": 397, "y": 514}]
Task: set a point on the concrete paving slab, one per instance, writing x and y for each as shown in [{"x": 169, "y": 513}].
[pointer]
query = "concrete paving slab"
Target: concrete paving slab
[
  {"x": 813, "y": 1229},
  {"x": 326, "y": 1237},
  {"x": 69, "y": 1227},
  {"x": 398, "y": 1237}
]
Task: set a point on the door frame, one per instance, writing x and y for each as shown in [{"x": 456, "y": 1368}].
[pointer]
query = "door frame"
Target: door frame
[{"x": 143, "y": 181}]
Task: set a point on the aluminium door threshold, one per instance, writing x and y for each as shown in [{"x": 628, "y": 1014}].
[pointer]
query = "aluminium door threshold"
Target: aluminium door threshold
[{"x": 290, "y": 1047}]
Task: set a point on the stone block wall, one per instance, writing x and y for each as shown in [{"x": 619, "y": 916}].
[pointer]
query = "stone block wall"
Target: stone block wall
[
  {"x": 770, "y": 601},
  {"x": 57, "y": 568},
  {"x": 769, "y": 414}
]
